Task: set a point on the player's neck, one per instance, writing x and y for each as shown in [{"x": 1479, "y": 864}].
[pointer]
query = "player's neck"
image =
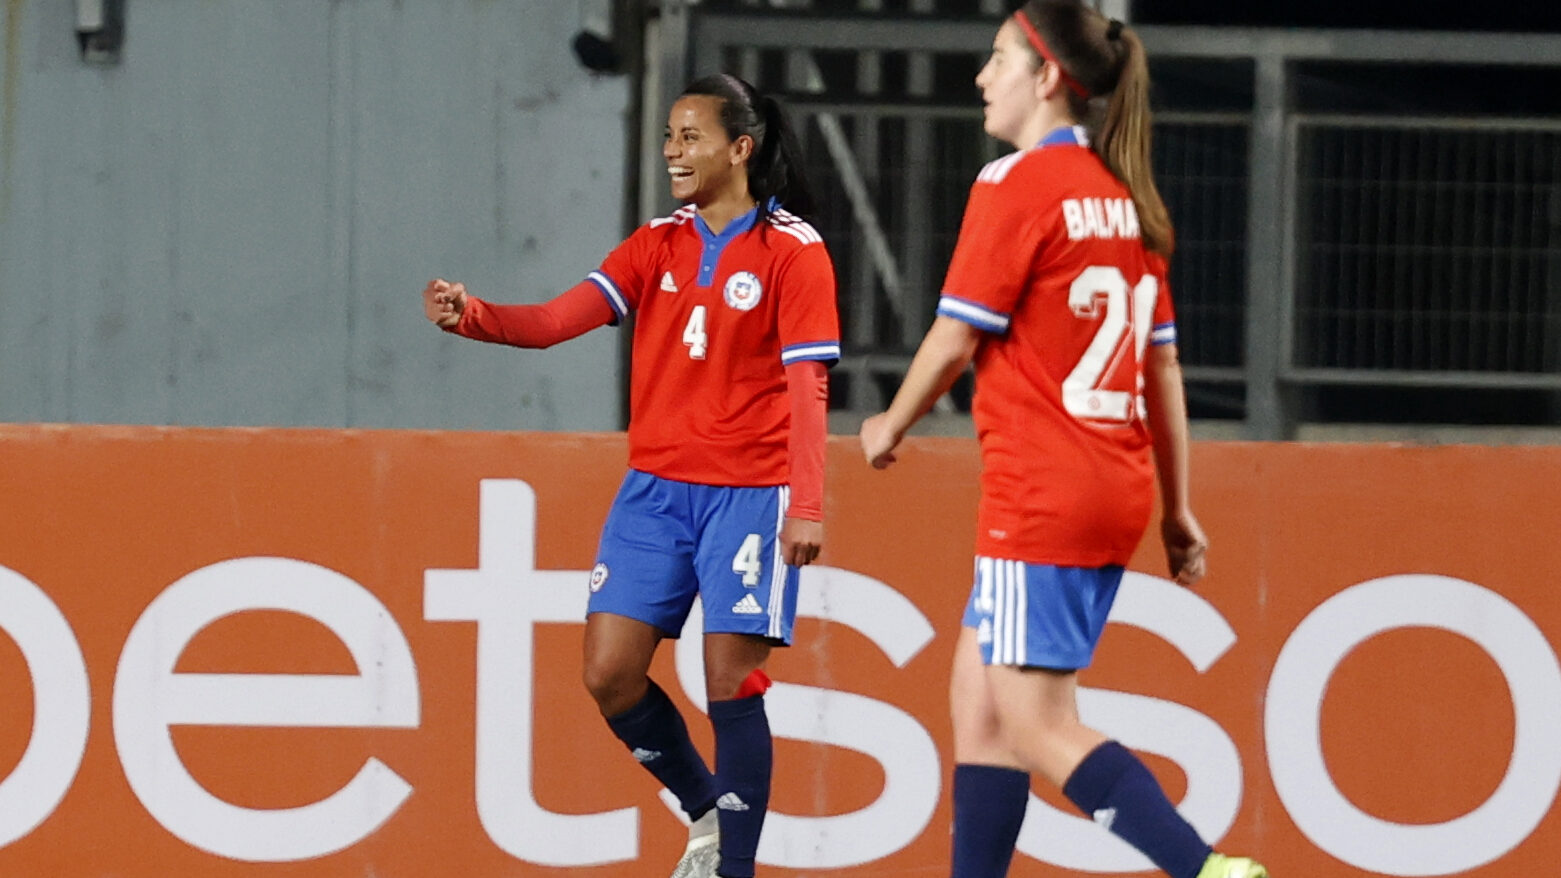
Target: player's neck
[
  {"x": 719, "y": 212},
  {"x": 1044, "y": 121}
]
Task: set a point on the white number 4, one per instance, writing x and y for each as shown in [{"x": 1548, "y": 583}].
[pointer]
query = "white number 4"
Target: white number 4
[
  {"x": 694, "y": 336},
  {"x": 746, "y": 561}
]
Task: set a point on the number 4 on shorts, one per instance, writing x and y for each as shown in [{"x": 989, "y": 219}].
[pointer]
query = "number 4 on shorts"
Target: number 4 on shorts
[{"x": 746, "y": 561}]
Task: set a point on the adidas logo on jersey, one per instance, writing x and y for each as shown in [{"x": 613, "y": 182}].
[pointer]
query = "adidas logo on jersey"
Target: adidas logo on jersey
[
  {"x": 642, "y": 756},
  {"x": 731, "y": 802},
  {"x": 668, "y": 285},
  {"x": 747, "y": 606}
]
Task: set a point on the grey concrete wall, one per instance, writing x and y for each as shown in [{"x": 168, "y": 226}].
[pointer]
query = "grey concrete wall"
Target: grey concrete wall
[{"x": 232, "y": 225}]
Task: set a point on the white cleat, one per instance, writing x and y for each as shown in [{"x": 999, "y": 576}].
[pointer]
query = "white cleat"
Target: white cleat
[{"x": 703, "y": 855}]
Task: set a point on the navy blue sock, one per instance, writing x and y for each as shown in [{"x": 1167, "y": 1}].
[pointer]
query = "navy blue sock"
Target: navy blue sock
[
  {"x": 744, "y": 754},
  {"x": 989, "y": 804},
  {"x": 1112, "y": 786},
  {"x": 654, "y": 732}
]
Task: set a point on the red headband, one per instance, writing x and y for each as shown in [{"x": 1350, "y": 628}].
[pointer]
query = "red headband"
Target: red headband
[{"x": 1040, "y": 46}]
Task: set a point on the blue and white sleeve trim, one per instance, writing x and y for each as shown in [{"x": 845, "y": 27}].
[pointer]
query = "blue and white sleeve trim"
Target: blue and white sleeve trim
[
  {"x": 979, "y": 316},
  {"x": 1163, "y": 333},
  {"x": 823, "y": 351},
  {"x": 609, "y": 289}
]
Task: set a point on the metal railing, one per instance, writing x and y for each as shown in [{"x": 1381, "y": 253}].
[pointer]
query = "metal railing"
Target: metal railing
[{"x": 1315, "y": 249}]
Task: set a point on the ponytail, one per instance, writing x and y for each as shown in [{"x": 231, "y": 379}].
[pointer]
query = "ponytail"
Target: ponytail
[
  {"x": 776, "y": 171},
  {"x": 775, "y": 175},
  {"x": 1108, "y": 62},
  {"x": 1124, "y": 140}
]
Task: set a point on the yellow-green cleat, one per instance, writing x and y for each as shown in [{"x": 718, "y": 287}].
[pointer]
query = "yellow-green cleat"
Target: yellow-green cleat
[{"x": 1221, "y": 866}]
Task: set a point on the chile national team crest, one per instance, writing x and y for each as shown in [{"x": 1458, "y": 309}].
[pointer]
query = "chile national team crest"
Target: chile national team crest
[{"x": 742, "y": 290}]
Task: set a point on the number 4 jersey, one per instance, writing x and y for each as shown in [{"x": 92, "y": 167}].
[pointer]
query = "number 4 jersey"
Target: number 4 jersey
[
  {"x": 1051, "y": 266},
  {"x": 718, "y": 317}
]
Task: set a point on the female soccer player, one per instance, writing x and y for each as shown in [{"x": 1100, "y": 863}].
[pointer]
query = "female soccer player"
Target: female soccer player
[
  {"x": 735, "y": 326},
  {"x": 1057, "y": 291}
]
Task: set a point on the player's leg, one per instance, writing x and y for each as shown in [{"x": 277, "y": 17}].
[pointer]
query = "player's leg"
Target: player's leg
[
  {"x": 749, "y": 598},
  {"x": 641, "y": 591},
  {"x": 744, "y": 749},
  {"x": 991, "y": 790},
  {"x": 1047, "y": 621}
]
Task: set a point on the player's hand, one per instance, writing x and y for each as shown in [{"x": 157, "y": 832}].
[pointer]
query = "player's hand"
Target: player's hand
[
  {"x": 444, "y": 302},
  {"x": 801, "y": 540},
  {"x": 879, "y": 440},
  {"x": 1186, "y": 547}
]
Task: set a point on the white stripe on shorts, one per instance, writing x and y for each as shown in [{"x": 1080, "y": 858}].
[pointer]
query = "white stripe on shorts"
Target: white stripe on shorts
[
  {"x": 777, "y": 600},
  {"x": 1005, "y": 589},
  {"x": 1021, "y": 613},
  {"x": 999, "y": 613}
]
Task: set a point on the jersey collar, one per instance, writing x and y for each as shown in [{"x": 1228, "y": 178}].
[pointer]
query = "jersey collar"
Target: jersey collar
[
  {"x": 1068, "y": 135},
  {"x": 737, "y": 226},
  {"x": 711, "y": 244}
]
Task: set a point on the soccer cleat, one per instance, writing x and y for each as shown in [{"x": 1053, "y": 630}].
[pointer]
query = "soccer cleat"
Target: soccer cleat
[
  {"x": 1221, "y": 866},
  {"x": 703, "y": 855}
]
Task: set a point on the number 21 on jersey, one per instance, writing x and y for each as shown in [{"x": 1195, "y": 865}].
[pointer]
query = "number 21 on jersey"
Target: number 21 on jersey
[
  {"x": 694, "y": 335},
  {"x": 1087, "y": 392}
]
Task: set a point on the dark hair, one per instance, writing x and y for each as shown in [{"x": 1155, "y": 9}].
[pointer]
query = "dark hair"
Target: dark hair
[
  {"x": 1107, "y": 61},
  {"x": 775, "y": 166}
]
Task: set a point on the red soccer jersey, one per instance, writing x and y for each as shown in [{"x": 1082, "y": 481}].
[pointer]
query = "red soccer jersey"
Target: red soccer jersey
[
  {"x": 1051, "y": 265},
  {"x": 717, "y": 319}
]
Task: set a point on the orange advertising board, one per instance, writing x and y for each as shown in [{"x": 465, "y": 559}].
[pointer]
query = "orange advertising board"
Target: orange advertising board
[{"x": 332, "y": 653}]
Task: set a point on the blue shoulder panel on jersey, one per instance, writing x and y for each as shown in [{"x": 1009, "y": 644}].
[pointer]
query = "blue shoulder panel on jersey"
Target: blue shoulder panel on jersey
[{"x": 979, "y": 316}]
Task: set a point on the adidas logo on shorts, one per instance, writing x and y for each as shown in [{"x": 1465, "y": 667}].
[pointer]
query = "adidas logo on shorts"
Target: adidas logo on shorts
[
  {"x": 642, "y": 755},
  {"x": 747, "y": 606}
]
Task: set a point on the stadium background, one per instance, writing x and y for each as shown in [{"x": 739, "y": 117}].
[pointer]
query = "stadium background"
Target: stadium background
[{"x": 220, "y": 217}]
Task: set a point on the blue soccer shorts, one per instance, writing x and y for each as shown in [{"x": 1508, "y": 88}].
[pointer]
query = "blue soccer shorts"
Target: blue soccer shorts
[
  {"x": 1039, "y": 615},
  {"x": 666, "y": 541}
]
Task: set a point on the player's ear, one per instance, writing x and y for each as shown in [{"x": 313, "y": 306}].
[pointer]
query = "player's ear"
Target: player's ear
[
  {"x": 742, "y": 150},
  {"x": 1048, "y": 78}
]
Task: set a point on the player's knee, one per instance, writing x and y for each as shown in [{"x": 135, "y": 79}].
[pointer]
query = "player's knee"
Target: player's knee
[{"x": 615, "y": 687}]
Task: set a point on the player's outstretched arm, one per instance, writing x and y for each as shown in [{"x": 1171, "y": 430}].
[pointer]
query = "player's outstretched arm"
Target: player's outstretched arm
[{"x": 576, "y": 311}]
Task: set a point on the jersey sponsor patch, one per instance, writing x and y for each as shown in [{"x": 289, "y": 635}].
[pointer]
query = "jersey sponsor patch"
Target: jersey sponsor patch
[
  {"x": 598, "y": 577},
  {"x": 742, "y": 291}
]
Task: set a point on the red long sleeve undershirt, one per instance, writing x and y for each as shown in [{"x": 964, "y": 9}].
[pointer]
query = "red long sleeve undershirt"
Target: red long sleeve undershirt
[
  {"x": 576, "y": 311},
  {"x": 582, "y": 308},
  {"x": 807, "y": 383}
]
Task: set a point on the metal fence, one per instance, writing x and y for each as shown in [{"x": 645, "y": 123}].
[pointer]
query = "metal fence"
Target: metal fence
[{"x": 1316, "y": 250}]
